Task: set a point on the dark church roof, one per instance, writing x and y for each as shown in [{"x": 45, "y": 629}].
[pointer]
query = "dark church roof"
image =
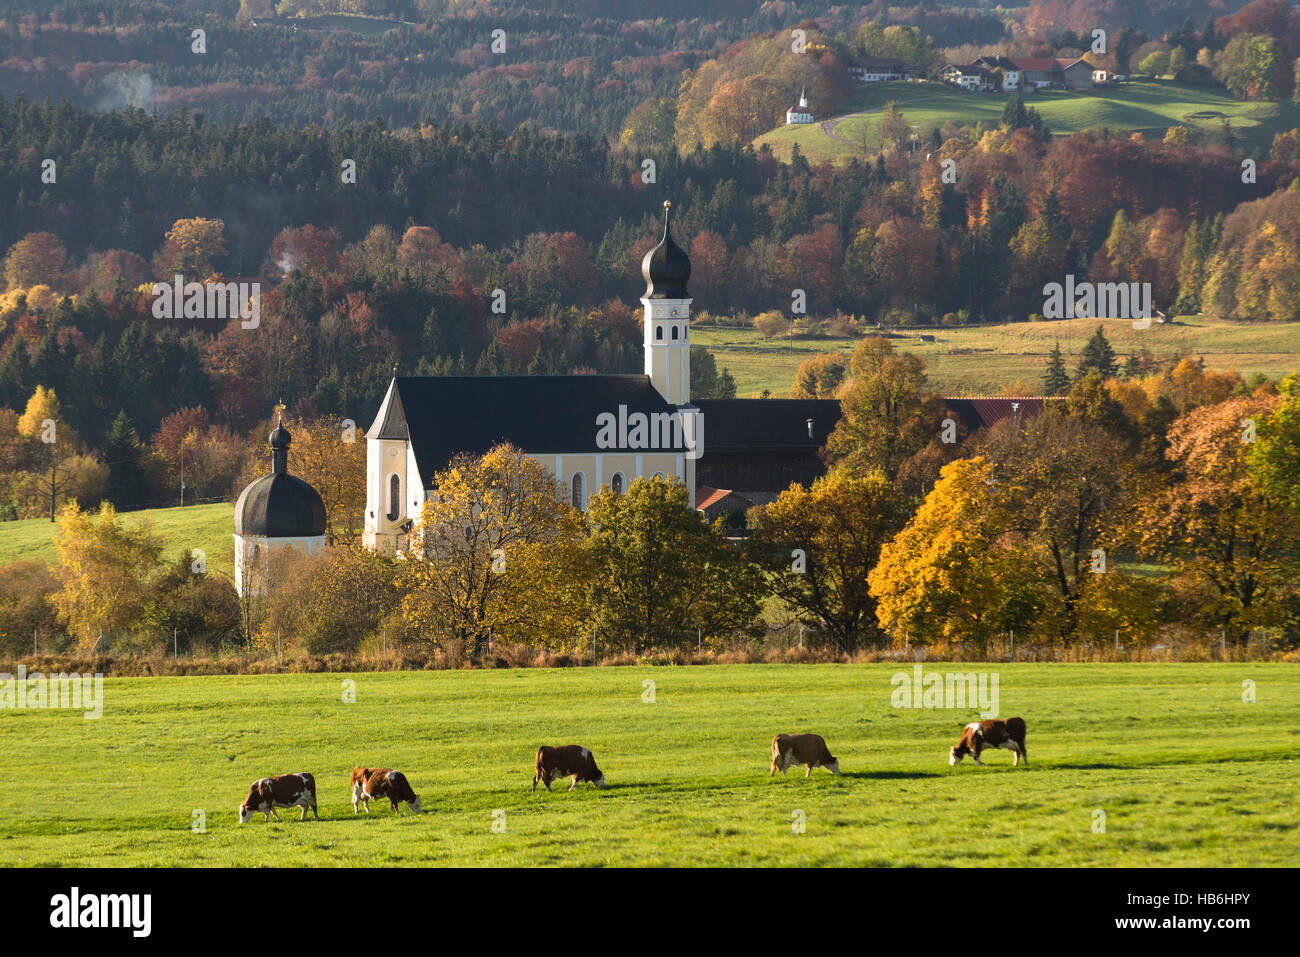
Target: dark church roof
[
  {"x": 666, "y": 267},
  {"x": 772, "y": 424},
  {"x": 280, "y": 505},
  {"x": 543, "y": 415}
]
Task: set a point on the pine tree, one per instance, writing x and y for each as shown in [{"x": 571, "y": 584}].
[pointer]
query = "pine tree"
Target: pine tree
[
  {"x": 125, "y": 474},
  {"x": 1098, "y": 355},
  {"x": 1056, "y": 381}
]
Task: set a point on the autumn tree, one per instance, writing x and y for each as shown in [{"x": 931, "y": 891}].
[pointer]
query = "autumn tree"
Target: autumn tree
[
  {"x": 820, "y": 376},
  {"x": 483, "y": 509},
  {"x": 1218, "y": 527},
  {"x": 1274, "y": 459},
  {"x": 817, "y": 546},
  {"x": 942, "y": 578},
  {"x": 1063, "y": 480},
  {"x": 888, "y": 412},
  {"x": 331, "y": 458},
  {"x": 661, "y": 573},
  {"x": 36, "y": 259},
  {"x": 104, "y": 566},
  {"x": 193, "y": 248}
]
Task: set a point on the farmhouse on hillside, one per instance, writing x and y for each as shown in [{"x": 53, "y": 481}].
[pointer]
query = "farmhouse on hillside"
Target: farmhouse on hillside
[
  {"x": 969, "y": 76},
  {"x": 1020, "y": 73},
  {"x": 878, "y": 69},
  {"x": 1004, "y": 65}
]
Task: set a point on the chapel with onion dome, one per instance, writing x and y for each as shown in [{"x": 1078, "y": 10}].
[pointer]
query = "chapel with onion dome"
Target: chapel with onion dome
[{"x": 274, "y": 512}]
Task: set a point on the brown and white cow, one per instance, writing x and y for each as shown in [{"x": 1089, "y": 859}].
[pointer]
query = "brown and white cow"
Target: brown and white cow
[
  {"x": 283, "y": 790},
  {"x": 571, "y": 760},
  {"x": 807, "y": 749},
  {"x": 380, "y": 783},
  {"x": 1006, "y": 733}
]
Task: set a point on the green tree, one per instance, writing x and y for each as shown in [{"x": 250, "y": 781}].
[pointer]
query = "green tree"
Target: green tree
[
  {"x": 661, "y": 573},
  {"x": 889, "y": 414},
  {"x": 126, "y": 478},
  {"x": 1098, "y": 355},
  {"x": 1056, "y": 380}
]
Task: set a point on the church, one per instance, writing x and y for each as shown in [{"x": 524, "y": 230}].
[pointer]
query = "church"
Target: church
[
  {"x": 591, "y": 431},
  {"x": 594, "y": 431}
]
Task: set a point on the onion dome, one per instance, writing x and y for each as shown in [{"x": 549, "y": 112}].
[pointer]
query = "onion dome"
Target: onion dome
[
  {"x": 666, "y": 268},
  {"x": 280, "y": 505}
]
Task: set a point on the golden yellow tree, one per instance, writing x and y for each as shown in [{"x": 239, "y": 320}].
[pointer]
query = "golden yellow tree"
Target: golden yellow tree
[
  {"x": 939, "y": 578},
  {"x": 104, "y": 566},
  {"x": 192, "y": 248},
  {"x": 332, "y": 459}
]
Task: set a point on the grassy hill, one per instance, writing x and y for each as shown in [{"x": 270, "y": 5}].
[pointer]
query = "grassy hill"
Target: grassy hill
[
  {"x": 1150, "y": 106},
  {"x": 209, "y": 527},
  {"x": 169, "y": 749},
  {"x": 986, "y": 359}
]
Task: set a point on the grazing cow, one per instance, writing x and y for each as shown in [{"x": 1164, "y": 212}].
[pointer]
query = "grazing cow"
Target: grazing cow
[
  {"x": 807, "y": 749},
  {"x": 283, "y": 790},
  {"x": 359, "y": 776},
  {"x": 571, "y": 760},
  {"x": 1006, "y": 733},
  {"x": 379, "y": 783}
]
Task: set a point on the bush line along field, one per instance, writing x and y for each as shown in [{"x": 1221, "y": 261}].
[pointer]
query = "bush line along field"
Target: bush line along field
[
  {"x": 1150, "y": 106},
  {"x": 688, "y": 773},
  {"x": 207, "y": 527},
  {"x": 1000, "y": 355}
]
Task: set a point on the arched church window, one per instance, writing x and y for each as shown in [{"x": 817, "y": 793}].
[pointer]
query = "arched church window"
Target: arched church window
[
  {"x": 616, "y": 483},
  {"x": 675, "y": 333},
  {"x": 394, "y": 497},
  {"x": 659, "y": 333},
  {"x": 579, "y": 492}
]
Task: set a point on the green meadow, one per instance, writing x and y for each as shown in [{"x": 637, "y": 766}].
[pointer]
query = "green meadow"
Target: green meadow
[
  {"x": 984, "y": 360},
  {"x": 207, "y": 527},
  {"x": 1143, "y": 765},
  {"x": 1148, "y": 106}
]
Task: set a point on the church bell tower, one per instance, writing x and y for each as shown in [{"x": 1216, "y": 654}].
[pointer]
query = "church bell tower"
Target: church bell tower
[{"x": 666, "y": 269}]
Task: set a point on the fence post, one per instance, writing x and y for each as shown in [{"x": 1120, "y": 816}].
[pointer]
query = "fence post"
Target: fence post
[
  {"x": 1223, "y": 642},
  {"x": 278, "y": 662},
  {"x": 176, "y": 648},
  {"x": 1116, "y": 644},
  {"x": 1013, "y": 642},
  {"x": 34, "y": 651},
  {"x": 699, "y": 641}
]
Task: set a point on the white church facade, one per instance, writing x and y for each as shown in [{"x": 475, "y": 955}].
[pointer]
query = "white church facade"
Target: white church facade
[{"x": 591, "y": 431}]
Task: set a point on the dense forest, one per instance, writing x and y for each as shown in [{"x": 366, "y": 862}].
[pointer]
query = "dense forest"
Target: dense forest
[
  {"x": 565, "y": 66},
  {"x": 405, "y": 232}
]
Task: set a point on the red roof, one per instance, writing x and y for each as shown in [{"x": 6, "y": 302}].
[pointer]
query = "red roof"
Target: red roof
[{"x": 706, "y": 496}]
